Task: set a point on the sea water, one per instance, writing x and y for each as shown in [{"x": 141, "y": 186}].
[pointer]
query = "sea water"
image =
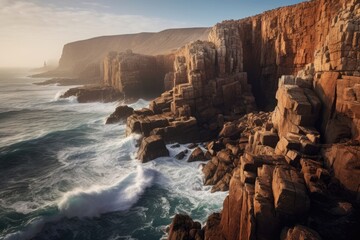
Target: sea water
[{"x": 64, "y": 174}]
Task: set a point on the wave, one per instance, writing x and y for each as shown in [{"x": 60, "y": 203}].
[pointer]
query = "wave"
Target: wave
[
  {"x": 12, "y": 112},
  {"x": 140, "y": 103},
  {"x": 92, "y": 202},
  {"x": 57, "y": 98},
  {"x": 97, "y": 200}
]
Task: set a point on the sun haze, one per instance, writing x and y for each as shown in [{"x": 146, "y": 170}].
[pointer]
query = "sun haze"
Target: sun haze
[{"x": 35, "y": 31}]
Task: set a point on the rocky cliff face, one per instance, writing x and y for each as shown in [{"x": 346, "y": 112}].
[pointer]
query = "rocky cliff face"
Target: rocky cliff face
[
  {"x": 283, "y": 181},
  {"x": 283, "y": 41},
  {"x": 135, "y": 74},
  {"x": 83, "y": 58}
]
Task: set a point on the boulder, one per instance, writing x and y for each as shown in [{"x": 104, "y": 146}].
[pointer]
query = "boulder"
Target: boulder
[
  {"x": 182, "y": 227},
  {"x": 229, "y": 130},
  {"x": 152, "y": 147},
  {"x": 197, "y": 155},
  {"x": 345, "y": 161},
  {"x": 181, "y": 155}
]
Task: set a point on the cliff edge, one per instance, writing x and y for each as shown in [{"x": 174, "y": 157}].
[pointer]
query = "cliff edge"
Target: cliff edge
[{"x": 82, "y": 58}]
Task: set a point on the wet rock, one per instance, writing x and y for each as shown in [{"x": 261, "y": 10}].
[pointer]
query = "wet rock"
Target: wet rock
[
  {"x": 192, "y": 146},
  {"x": 94, "y": 94},
  {"x": 181, "y": 155},
  {"x": 121, "y": 114},
  {"x": 152, "y": 147},
  {"x": 197, "y": 155},
  {"x": 176, "y": 145}
]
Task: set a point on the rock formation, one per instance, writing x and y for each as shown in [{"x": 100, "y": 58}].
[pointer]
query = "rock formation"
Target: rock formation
[
  {"x": 152, "y": 147},
  {"x": 282, "y": 41},
  {"x": 290, "y": 173},
  {"x": 121, "y": 113},
  {"x": 94, "y": 94},
  {"x": 82, "y": 59},
  {"x": 135, "y": 75}
]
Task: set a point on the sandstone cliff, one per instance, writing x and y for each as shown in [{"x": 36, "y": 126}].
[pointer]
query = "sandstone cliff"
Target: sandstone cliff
[
  {"x": 83, "y": 58},
  {"x": 282, "y": 41},
  {"x": 283, "y": 181},
  {"x": 136, "y": 75}
]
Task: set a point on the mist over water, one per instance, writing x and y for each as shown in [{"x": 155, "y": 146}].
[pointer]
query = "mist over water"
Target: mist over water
[{"x": 64, "y": 174}]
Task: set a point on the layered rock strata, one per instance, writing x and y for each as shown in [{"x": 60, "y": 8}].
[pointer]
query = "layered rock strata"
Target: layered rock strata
[
  {"x": 81, "y": 59},
  {"x": 276, "y": 176},
  {"x": 283, "y": 41},
  {"x": 135, "y": 74}
]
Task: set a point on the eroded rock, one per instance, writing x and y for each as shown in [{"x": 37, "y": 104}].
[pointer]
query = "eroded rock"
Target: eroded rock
[
  {"x": 152, "y": 147},
  {"x": 121, "y": 113}
]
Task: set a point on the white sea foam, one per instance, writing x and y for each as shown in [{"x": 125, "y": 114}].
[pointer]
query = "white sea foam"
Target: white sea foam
[
  {"x": 140, "y": 103},
  {"x": 97, "y": 200},
  {"x": 185, "y": 180},
  {"x": 58, "y": 95},
  {"x": 95, "y": 171}
]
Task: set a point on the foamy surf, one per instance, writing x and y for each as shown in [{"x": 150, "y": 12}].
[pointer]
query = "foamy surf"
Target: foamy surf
[
  {"x": 78, "y": 164},
  {"x": 97, "y": 200},
  {"x": 94, "y": 201}
]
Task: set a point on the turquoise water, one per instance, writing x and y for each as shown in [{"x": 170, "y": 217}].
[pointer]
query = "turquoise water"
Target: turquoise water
[{"x": 64, "y": 174}]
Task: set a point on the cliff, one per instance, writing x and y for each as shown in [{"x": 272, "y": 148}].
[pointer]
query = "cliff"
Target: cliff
[
  {"x": 303, "y": 63},
  {"x": 82, "y": 58},
  {"x": 284, "y": 40},
  {"x": 134, "y": 74}
]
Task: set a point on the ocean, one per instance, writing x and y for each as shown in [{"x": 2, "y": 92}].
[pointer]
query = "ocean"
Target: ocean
[{"x": 64, "y": 174}]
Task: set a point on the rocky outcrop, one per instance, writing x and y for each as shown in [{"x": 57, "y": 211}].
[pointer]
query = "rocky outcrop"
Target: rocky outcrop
[
  {"x": 171, "y": 128},
  {"x": 134, "y": 74},
  {"x": 184, "y": 228},
  {"x": 121, "y": 113},
  {"x": 228, "y": 148},
  {"x": 94, "y": 94},
  {"x": 204, "y": 88},
  {"x": 272, "y": 167},
  {"x": 152, "y": 147},
  {"x": 341, "y": 106},
  {"x": 197, "y": 155},
  {"x": 344, "y": 160},
  {"x": 272, "y": 164},
  {"x": 82, "y": 59},
  {"x": 201, "y": 98}
]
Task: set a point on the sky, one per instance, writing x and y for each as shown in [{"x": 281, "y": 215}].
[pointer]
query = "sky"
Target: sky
[{"x": 34, "y": 31}]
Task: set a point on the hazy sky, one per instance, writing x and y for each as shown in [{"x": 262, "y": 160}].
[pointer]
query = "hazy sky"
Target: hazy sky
[{"x": 35, "y": 30}]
